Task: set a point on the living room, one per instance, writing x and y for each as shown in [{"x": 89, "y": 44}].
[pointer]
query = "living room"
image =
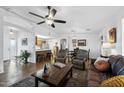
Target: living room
[{"x": 94, "y": 30}]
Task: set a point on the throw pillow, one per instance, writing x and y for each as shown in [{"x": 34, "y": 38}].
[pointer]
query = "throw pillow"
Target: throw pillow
[
  {"x": 102, "y": 65},
  {"x": 117, "y": 81},
  {"x": 101, "y": 58}
]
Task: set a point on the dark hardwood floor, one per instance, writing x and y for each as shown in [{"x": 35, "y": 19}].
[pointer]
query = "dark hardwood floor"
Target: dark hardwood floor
[{"x": 15, "y": 72}]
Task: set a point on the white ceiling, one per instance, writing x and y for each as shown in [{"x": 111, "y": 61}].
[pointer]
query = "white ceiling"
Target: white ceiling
[{"x": 80, "y": 19}]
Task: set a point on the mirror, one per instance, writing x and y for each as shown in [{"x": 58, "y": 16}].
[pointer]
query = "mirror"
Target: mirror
[{"x": 63, "y": 43}]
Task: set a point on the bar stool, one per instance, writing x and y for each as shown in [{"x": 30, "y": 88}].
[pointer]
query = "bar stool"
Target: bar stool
[
  {"x": 40, "y": 57},
  {"x": 49, "y": 56}
]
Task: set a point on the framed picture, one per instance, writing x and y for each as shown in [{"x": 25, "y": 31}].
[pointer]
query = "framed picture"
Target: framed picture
[
  {"x": 82, "y": 42},
  {"x": 112, "y": 35},
  {"x": 74, "y": 41},
  {"x": 24, "y": 42}
]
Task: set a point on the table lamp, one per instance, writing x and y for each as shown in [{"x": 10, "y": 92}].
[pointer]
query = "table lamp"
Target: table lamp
[{"x": 106, "y": 49}]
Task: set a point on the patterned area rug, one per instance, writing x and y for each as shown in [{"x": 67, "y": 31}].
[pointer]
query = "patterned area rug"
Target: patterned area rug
[{"x": 78, "y": 80}]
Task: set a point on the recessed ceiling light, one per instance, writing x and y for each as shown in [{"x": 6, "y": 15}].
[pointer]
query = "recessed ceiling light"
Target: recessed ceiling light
[
  {"x": 11, "y": 32},
  {"x": 72, "y": 31},
  {"x": 88, "y": 29}
]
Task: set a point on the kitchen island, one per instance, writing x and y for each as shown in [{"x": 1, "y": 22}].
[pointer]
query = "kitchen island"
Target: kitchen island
[{"x": 43, "y": 55}]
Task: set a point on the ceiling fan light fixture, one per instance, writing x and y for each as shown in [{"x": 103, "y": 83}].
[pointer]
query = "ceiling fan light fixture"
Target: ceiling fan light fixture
[
  {"x": 49, "y": 21},
  {"x": 50, "y": 16}
]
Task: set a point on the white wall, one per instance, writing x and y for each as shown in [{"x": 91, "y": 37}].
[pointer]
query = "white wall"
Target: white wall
[
  {"x": 31, "y": 44},
  {"x": 92, "y": 43},
  {"x": 123, "y": 36},
  {"x": 13, "y": 20},
  {"x": 1, "y": 44},
  {"x": 116, "y": 21},
  {"x": 21, "y": 33},
  {"x": 6, "y": 43}
]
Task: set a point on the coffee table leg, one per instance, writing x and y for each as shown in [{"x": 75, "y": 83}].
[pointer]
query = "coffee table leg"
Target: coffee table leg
[
  {"x": 36, "y": 82},
  {"x": 71, "y": 72}
]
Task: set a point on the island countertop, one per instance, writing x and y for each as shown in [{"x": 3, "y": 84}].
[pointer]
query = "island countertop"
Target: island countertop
[{"x": 42, "y": 50}]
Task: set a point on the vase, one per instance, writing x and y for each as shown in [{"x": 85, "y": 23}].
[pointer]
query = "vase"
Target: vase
[{"x": 26, "y": 60}]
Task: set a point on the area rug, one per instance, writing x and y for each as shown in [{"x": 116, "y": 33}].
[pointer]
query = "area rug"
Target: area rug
[{"x": 78, "y": 80}]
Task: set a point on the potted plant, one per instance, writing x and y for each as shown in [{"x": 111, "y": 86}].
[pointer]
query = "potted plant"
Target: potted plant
[{"x": 24, "y": 56}]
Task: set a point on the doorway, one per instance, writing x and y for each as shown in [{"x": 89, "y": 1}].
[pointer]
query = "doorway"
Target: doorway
[
  {"x": 12, "y": 48},
  {"x": 13, "y": 45}
]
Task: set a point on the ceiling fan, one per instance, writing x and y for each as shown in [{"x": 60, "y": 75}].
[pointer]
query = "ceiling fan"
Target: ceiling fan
[{"x": 49, "y": 19}]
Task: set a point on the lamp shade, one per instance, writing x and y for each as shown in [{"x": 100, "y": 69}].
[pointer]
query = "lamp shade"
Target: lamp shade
[
  {"x": 106, "y": 49},
  {"x": 106, "y": 45}
]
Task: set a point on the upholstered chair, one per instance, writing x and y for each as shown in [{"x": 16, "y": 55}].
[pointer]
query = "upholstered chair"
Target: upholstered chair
[
  {"x": 62, "y": 55},
  {"x": 80, "y": 59}
]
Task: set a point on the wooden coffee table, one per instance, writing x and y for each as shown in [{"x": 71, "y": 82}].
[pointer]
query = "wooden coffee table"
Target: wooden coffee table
[{"x": 56, "y": 75}]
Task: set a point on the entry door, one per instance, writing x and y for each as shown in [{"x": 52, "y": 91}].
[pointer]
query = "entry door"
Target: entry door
[{"x": 12, "y": 48}]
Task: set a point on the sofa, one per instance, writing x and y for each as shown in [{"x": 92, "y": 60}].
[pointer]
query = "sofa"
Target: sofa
[
  {"x": 79, "y": 60},
  {"x": 95, "y": 77}
]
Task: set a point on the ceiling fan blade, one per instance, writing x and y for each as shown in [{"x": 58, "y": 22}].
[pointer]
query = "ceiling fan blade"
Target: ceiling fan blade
[
  {"x": 41, "y": 22},
  {"x": 49, "y": 8},
  {"x": 53, "y": 12},
  {"x": 59, "y": 21},
  {"x": 52, "y": 25},
  {"x": 36, "y": 15}
]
